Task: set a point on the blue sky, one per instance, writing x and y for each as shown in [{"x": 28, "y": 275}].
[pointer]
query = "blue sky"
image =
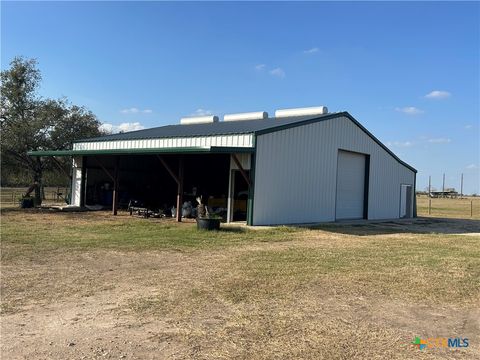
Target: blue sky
[{"x": 408, "y": 71}]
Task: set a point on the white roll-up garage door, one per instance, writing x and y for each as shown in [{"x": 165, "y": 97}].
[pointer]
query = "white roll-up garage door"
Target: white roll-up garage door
[{"x": 350, "y": 185}]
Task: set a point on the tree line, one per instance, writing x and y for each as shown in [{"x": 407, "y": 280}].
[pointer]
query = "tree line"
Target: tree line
[{"x": 29, "y": 122}]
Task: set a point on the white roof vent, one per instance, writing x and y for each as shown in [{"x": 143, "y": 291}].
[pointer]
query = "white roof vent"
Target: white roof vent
[
  {"x": 199, "y": 120},
  {"x": 317, "y": 110},
  {"x": 259, "y": 115}
]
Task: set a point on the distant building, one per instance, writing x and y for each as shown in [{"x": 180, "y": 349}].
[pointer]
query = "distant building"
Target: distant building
[{"x": 448, "y": 193}]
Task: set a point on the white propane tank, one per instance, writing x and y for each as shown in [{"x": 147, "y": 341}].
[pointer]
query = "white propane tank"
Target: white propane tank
[
  {"x": 259, "y": 115},
  {"x": 199, "y": 120},
  {"x": 317, "y": 110}
]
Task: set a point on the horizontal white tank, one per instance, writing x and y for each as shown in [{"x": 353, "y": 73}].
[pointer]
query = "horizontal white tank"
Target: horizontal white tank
[
  {"x": 317, "y": 110},
  {"x": 199, "y": 120},
  {"x": 259, "y": 115}
]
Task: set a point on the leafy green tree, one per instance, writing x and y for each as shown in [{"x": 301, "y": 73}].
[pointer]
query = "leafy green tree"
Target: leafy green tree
[{"x": 29, "y": 122}]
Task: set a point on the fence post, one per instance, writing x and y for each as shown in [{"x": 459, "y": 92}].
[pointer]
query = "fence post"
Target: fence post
[{"x": 471, "y": 208}]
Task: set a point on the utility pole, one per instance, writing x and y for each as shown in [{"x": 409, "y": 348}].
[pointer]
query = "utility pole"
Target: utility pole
[
  {"x": 443, "y": 186},
  {"x": 461, "y": 188},
  {"x": 429, "y": 194}
]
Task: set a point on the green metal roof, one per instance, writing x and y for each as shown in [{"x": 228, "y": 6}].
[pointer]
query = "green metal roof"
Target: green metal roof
[
  {"x": 256, "y": 127},
  {"x": 149, "y": 151},
  {"x": 210, "y": 129}
]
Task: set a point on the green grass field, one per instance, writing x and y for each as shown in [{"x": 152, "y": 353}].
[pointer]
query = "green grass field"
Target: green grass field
[{"x": 138, "y": 288}]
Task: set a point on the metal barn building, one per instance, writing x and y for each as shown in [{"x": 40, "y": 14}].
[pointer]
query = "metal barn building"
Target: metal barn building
[{"x": 301, "y": 166}]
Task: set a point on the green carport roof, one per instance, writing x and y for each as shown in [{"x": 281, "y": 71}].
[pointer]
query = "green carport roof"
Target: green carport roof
[{"x": 184, "y": 150}]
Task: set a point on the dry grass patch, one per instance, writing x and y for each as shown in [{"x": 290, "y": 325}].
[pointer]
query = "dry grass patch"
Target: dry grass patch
[
  {"x": 450, "y": 208},
  {"x": 430, "y": 269},
  {"x": 156, "y": 289}
]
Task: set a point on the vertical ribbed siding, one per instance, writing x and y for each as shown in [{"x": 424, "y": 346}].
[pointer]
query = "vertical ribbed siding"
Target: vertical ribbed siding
[{"x": 296, "y": 168}]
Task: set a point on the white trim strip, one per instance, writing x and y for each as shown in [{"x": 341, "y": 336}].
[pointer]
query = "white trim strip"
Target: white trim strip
[{"x": 243, "y": 140}]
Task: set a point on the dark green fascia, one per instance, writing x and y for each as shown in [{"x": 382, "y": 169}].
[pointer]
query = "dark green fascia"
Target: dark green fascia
[
  {"x": 332, "y": 116},
  {"x": 300, "y": 123},
  {"x": 229, "y": 150},
  {"x": 191, "y": 150},
  {"x": 252, "y": 183},
  {"x": 415, "y": 195}
]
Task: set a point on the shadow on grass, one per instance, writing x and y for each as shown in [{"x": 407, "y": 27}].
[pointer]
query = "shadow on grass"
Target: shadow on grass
[
  {"x": 420, "y": 225},
  {"x": 232, "y": 229},
  {"x": 17, "y": 209},
  {"x": 225, "y": 229},
  {"x": 41, "y": 210},
  {"x": 412, "y": 226}
]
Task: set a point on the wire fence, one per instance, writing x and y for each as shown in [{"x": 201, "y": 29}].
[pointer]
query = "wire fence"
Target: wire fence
[
  {"x": 52, "y": 194},
  {"x": 464, "y": 207}
]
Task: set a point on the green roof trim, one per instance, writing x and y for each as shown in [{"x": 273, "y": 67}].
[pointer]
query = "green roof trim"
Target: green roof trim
[{"x": 183, "y": 150}]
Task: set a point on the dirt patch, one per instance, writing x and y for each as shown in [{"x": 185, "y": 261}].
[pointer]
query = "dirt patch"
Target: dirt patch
[{"x": 172, "y": 305}]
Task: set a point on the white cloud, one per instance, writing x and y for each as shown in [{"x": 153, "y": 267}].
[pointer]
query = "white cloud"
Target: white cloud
[
  {"x": 311, "y": 51},
  {"x": 438, "y": 94},
  {"x": 123, "y": 127},
  {"x": 202, "y": 112},
  {"x": 439, "y": 141},
  {"x": 134, "y": 110},
  {"x": 130, "y": 126},
  {"x": 469, "y": 126},
  {"x": 410, "y": 110},
  {"x": 108, "y": 128},
  {"x": 472, "y": 166},
  {"x": 278, "y": 72},
  {"x": 400, "y": 143}
]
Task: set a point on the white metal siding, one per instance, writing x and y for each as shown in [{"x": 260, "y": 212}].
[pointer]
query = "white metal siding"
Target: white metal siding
[
  {"x": 295, "y": 173},
  {"x": 350, "y": 185},
  {"x": 76, "y": 181},
  {"x": 238, "y": 140}
]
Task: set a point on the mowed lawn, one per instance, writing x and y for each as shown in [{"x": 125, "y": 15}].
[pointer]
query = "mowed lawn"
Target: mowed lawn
[{"x": 90, "y": 285}]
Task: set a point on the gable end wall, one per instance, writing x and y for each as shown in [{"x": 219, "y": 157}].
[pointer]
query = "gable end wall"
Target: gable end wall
[{"x": 296, "y": 168}]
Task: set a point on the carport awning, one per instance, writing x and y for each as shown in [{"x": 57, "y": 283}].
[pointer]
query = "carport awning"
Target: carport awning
[{"x": 183, "y": 150}]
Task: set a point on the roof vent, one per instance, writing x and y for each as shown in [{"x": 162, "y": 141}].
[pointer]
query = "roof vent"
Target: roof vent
[
  {"x": 317, "y": 110},
  {"x": 259, "y": 115},
  {"x": 199, "y": 120}
]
